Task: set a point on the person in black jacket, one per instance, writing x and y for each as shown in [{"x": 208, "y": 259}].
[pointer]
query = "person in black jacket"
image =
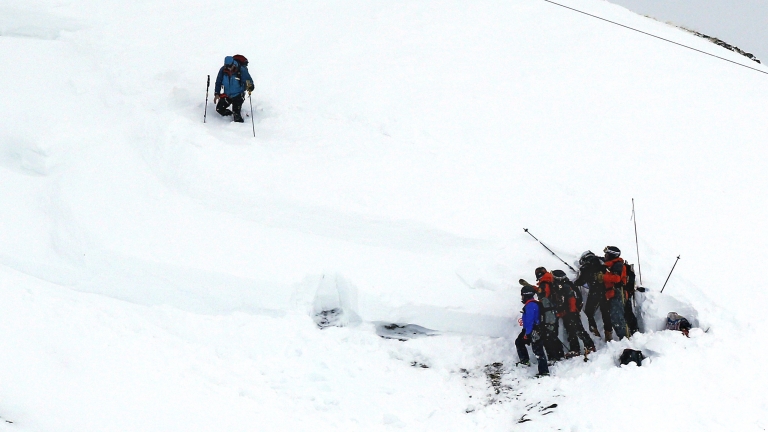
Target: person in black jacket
[
  {"x": 590, "y": 271},
  {"x": 571, "y": 314}
]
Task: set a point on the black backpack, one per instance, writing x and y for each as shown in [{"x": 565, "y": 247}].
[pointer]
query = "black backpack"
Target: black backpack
[
  {"x": 547, "y": 316},
  {"x": 630, "y": 355},
  {"x": 629, "y": 288},
  {"x": 579, "y": 298},
  {"x": 563, "y": 288}
]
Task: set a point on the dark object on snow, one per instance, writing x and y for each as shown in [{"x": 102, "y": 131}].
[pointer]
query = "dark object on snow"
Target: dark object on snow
[
  {"x": 328, "y": 318},
  {"x": 402, "y": 332},
  {"x": 630, "y": 355},
  {"x": 723, "y": 44}
]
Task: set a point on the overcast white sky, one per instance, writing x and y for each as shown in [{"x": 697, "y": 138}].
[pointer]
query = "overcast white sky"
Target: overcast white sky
[{"x": 743, "y": 23}]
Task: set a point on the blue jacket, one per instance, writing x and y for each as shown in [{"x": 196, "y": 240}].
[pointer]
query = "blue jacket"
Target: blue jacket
[
  {"x": 233, "y": 83},
  {"x": 530, "y": 316}
]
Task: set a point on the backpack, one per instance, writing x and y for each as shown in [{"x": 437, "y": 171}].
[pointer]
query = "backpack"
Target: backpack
[
  {"x": 629, "y": 287},
  {"x": 562, "y": 291},
  {"x": 630, "y": 355},
  {"x": 241, "y": 59},
  {"x": 579, "y": 298},
  {"x": 547, "y": 315}
]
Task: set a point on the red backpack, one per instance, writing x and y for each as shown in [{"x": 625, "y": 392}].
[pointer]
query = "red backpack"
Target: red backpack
[{"x": 241, "y": 59}]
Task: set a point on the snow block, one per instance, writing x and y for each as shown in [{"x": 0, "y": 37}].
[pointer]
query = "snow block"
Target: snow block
[{"x": 335, "y": 303}]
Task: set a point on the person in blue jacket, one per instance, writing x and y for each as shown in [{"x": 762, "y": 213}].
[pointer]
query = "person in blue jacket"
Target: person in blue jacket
[
  {"x": 231, "y": 84},
  {"x": 530, "y": 334}
]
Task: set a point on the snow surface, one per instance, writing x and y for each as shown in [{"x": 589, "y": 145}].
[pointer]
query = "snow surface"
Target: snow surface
[{"x": 163, "y": 274}]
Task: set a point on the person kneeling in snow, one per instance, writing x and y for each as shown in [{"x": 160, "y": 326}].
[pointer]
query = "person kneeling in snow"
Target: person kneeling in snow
[
  {"x": 678, "y": 322},
  {"x": 530, "y": 334},
  {"x": 235, "y": 80}
]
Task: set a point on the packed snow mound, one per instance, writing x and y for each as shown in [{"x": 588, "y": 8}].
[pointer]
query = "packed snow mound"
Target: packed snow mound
[{"x": 169, "y": 274}]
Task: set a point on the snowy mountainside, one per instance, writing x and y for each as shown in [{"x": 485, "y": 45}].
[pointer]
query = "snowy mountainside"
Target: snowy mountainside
[{"x": 164, "y": 273}]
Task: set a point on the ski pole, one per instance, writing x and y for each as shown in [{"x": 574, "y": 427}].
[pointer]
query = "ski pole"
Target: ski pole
[
  {"x": 252, "y": 124},
  {"x": 637, "y": 245},
  {"x": 670, "y": 273},
  {"x": 550, "y": 250},
  {"x": 207, "y": 86}
]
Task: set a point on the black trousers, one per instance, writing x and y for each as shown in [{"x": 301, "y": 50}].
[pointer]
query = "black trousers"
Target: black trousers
[
  {"x": 575, "y": 330},
  {"x": 551, "y": 342},
  {"x": 596, "y": 299},
  {"x": 538, "y": 351},
  {"x": 630, "y": 318},
  {"x": 223, "y": 106}
]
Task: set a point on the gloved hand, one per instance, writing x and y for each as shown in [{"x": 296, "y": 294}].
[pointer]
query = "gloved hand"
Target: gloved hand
[
  {"x": 535, "y": 335},
  {"x": 215, "y": 98},
  {"x": 600, "y": 277},
  {"x": 249, "y": 86}
]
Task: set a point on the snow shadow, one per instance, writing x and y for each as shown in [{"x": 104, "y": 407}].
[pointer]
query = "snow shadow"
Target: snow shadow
[
  {"x": 35, "y": 25},
  {"x": 22, "y": 155}
]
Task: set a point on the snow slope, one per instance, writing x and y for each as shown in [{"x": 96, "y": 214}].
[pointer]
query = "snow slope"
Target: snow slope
[{"x": 162, "y": 274}]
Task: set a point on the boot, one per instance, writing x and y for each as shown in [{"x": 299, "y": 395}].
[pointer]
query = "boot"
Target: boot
[
  {"x": 594, "y": 330},
  {"x": 238, "y": 118},
  {"x": 571, "y": 354},
  {"x": 608, "y": 335},
  {"x": 587, "y": 351},
  {"x": 523, "y": 363}
]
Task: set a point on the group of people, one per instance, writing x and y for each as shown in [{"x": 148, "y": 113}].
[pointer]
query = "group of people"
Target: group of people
[{"x": 610, "y": 282}]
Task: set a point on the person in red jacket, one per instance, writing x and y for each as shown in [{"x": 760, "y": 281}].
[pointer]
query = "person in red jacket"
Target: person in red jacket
[
  {"x": 571, "y": 314},
  {"x": 614, "y": 279}
]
